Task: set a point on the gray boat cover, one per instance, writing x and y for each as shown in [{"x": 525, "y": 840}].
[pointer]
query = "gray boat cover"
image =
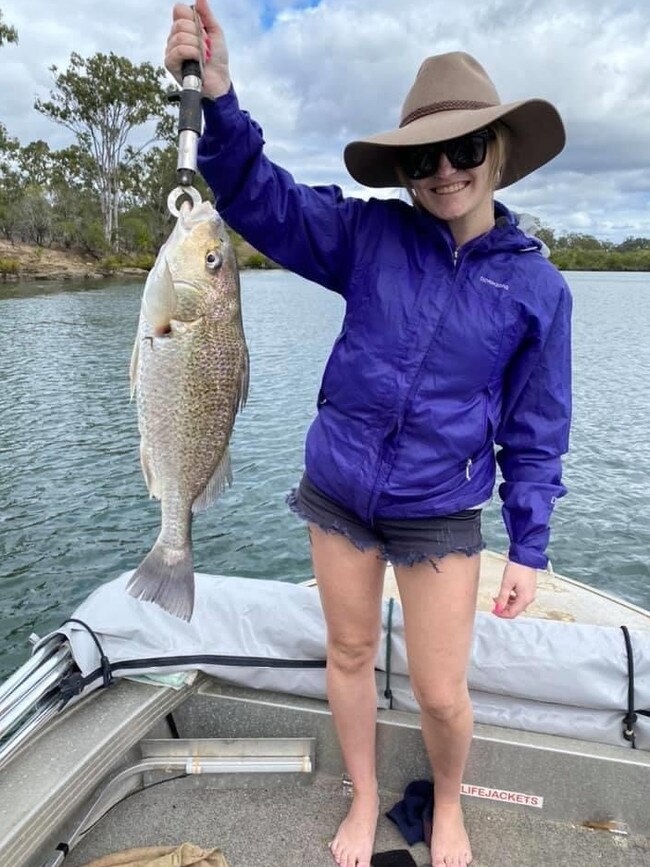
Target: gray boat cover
[{"x": 534, "y": 675}]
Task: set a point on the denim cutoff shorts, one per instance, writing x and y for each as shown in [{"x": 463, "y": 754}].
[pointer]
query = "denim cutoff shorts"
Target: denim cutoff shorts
[{"x": 402, "y": 541}]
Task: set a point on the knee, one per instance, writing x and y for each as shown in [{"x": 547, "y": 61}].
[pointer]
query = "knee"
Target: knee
[
  {"x": 443, "y": 703},
  {"x": 351, "y": 655}
]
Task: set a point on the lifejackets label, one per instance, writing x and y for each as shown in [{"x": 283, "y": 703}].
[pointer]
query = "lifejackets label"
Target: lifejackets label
[{"x": 501, "y": 795}]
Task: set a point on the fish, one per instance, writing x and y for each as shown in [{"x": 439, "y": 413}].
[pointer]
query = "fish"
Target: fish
[{"x": 190, "y": 376}]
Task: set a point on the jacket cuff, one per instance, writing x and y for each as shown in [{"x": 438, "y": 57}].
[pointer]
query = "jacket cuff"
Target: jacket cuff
[
  {"x": 527, "y": 557},
  {"x": 221, "y": 113}
]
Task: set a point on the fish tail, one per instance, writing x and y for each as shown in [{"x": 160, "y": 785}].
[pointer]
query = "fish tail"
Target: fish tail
[{"x": 166, "y": 577}]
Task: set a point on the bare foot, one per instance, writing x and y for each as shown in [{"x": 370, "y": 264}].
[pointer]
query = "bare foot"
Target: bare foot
[
  {"x": 352, "y": 846},
  {"x": 449, "y": 841}
]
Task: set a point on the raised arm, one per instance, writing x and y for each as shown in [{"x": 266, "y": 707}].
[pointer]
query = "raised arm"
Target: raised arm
[
  {"x": 208, "y": 46},
  {"x": 309, "y": 230}
]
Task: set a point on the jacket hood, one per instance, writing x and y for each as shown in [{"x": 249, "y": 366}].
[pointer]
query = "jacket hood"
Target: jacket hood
[{"x": 512, "y": 232}]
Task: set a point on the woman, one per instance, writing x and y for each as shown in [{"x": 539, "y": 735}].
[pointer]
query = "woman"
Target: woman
[{"x": 456, "y": 337}]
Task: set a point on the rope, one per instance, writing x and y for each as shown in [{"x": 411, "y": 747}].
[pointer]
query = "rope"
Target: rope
[{"x": 450, "y": 105}]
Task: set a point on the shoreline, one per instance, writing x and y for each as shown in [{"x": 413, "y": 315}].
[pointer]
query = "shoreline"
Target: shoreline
[
  {"x": 27, "y": 263},
  {"x": 70, "y": 276},
  {"x": 21, "y": 263}
]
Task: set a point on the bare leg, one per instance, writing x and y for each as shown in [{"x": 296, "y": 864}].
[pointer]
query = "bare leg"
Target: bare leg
[
  {"x": 439, "y": 612},
  {"x": 350, "y": 583}
]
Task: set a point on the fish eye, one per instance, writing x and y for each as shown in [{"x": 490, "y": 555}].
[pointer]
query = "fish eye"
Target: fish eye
[{"x": 213, "y": 260}]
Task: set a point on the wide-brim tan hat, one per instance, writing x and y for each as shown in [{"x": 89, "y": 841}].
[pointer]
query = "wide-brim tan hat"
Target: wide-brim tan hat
[{"x": 452, "y": 96}]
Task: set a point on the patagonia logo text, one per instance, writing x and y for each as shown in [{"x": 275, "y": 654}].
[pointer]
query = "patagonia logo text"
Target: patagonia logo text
[{"x": 494, "y": 283}]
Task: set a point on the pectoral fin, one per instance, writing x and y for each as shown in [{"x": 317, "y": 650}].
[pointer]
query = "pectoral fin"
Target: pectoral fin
[
  {"x": 159, "y": 297},
  {"x": 135, "y": 359}
]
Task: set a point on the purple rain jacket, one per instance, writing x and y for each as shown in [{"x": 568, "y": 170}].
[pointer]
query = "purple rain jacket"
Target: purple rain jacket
[{"x": 443, "y": 352}]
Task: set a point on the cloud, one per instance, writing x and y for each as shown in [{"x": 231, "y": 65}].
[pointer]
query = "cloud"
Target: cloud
[{"x": 318, "y": 74}]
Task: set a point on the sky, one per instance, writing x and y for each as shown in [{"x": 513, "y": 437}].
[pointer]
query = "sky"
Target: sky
[{"x": 319, "y": 73}]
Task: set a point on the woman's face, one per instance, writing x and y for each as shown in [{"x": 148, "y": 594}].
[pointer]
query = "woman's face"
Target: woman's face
[
  {"x": 464, "y": 198},
  {"x": 457, "y": 194}
]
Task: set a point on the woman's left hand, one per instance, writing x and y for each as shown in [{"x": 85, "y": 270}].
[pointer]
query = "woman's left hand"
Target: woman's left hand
[{"x": 517, "y": 590}]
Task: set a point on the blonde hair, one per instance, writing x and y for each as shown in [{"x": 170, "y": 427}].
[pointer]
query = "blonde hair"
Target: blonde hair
[
  {"x": 497, "y": 157},
  {"x": 498, "y": 152}
]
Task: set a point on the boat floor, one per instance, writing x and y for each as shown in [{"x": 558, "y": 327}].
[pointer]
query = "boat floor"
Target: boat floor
[{"x": 289, "y": 823}]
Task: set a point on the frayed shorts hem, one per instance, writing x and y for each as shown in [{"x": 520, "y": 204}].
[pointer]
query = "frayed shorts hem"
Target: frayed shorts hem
[{"x": 402, "y": 542}]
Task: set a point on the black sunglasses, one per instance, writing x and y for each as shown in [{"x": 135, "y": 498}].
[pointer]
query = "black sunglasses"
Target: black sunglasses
[{"x": 466, "y": 152}]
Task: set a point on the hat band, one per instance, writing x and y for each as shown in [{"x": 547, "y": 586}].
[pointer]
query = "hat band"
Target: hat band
[{"x": 450, "y": 105}]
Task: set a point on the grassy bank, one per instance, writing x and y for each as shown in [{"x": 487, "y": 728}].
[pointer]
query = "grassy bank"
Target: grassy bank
[
  {"x": 601, "y": 260},
  {"x": 30, "y": 262}
]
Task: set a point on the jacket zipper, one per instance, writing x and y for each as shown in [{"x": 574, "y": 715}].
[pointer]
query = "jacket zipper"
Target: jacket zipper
[
  {"x": 374, "y": 493},
  {"x": 468, "y": 464}
]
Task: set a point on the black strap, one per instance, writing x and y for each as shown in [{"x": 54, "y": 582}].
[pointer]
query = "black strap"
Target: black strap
[
  {"x": 171, "y": 722},
  {"x": 388, "y": 692},
  {"x": 630, "y": 717},
  {"x": 74, "y": 684}
]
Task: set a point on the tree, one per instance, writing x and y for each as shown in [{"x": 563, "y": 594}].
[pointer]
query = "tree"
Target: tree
[
  {"x": 34, "y": 214},
  {"x": 76, "y": 211},
  {"x": 8, "y": 144},
  {"x": 9, "y": 183},
  {"x": 545, "y": 234},
  {"x": 579, "y": 241},
  {"x": 35, "y": 161},
  {"x": 102, "y": 99},
  {"x": 147, "y": 180},
  {"x": 7, "y": 33},
  {"x": 634, "y": 244}
]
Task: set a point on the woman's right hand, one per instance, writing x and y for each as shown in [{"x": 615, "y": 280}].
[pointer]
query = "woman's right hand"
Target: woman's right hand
[{"x": 184, "y": 43}]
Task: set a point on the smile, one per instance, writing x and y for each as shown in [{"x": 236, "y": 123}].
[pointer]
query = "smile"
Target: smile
[{"x": 450, "y": 188}]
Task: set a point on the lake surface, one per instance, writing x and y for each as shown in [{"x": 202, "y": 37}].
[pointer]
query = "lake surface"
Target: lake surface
[{"x": 74, "y": 510}]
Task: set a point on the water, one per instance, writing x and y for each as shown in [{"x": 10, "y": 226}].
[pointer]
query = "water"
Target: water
[{"x": 74, "y": 511}]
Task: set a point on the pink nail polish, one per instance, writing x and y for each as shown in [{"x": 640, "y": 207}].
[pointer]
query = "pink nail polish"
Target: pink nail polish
[{"x": 497, "y": 609}]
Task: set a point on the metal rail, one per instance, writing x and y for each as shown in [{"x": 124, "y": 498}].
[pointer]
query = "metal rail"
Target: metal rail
[
  {"x": 35, "y": 688},
  {"x": 287, "y": 755},
  {"x": 15, "y": 681},
  {"x": 28, "y": 730},
  {"x": 28, "y": 699}
]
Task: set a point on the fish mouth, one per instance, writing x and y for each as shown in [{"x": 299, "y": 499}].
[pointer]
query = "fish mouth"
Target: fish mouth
[
  {"x": 189, "y": 284},
  {"x": 173, "y": 327},
  {"x": 200, "y": 213},
  {"x": 182, "y": 326},
  {"x": 198, "y": 287}
]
